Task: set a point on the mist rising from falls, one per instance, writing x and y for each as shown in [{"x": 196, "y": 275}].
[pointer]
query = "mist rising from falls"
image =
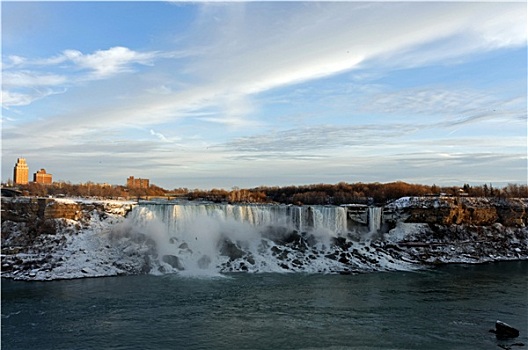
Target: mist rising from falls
[{"x": 214, "y": 238}]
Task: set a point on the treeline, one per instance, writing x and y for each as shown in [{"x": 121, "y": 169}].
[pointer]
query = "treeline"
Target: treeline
[
  {"x": 337, "y": 194},
  {"x": 345, "y": 193},
  {"x": 378, "y": 193},
  {"x": 90, "y": 189},
  {"x": 219, "y": 195}
]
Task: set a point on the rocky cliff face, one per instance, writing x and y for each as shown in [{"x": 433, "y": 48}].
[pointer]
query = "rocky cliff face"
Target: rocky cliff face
[
  {"x": 434, "y": 230},
  {"x": 40, "y": 235},
  {"x": 26, "y": 209},
  {"x": 459, "y": 211},
  {"x": 24, "y": 218}
]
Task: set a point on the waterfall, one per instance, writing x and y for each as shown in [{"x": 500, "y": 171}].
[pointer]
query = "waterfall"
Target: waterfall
[
  {"x": 374, "y": 219},
  {"x": 300, "y": 218},
  {"x": 195, "y": 238}
]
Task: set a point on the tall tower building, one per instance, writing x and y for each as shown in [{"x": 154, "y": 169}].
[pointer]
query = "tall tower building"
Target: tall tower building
[{"x": 21, "y": 172}]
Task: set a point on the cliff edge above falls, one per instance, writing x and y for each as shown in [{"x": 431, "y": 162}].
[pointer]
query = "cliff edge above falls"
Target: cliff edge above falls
[
  {"x": 44, "y": 239},
  {"x": 437, "y": 230},
  {"x": 28, "y": 209},
  {"x": 511, "y": 212}
]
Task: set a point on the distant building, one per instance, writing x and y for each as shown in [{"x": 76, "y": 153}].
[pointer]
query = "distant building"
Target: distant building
[
  {"x": 41, "y": 177},
  {"x": 137, "y": 183},
  {"x": 21, "y": 172}
]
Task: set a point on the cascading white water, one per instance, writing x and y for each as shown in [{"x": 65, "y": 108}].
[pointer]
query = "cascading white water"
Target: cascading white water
[
  {"x": 374, "y": 219},
  {"x": 196, "y": 237},
  {"x": 308, "y": 218}
]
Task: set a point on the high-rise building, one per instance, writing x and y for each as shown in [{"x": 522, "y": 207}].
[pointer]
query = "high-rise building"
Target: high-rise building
[
  {"x": 21, "y": 172},
  {"x": 137, "y": 183},
  {"x": 42, "y": 177}
]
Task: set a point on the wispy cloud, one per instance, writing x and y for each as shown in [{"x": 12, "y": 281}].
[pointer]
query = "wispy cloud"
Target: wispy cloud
[
  {"x": 303, "y": 41},
  {"x": 159, "y": 135},
  {"x": 456, "y": 102},
  {"x": 22, "y": 75},
  {"x": 14, "y": 99},
  {"x": 31, "y": 79},
  {"x": 102, "y": 62}
]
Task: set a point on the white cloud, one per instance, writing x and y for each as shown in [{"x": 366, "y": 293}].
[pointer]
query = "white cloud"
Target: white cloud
[
  {"x": 13, "y": 60},
  {"x": 98, "y": 65},
  {"x": 158, "y": 135},
  {"x": 104, "y": 63},
  {"x": 448, "y": 102},
  {"x": 31, "y": 79},
  {"x": 11, "y": 99},
  {"x": 14, "y": 99}
]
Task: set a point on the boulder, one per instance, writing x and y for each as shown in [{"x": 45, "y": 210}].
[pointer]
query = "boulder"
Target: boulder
[
  {"x": 173, "y": 261},
  {"x": 231, "y": 250},
  {"x": 88, "y": 271},
  {"x": 204, "y": 262},
  {"x": 291, "y": 237},
  {"x": 342, "y": 243},
  {"x": 504, "y": 331}
]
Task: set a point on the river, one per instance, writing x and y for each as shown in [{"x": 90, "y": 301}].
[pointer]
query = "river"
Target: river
[{"x": 449, "y": 307}]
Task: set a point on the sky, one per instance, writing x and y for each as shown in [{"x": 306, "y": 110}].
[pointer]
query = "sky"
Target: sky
[{"x": 243, "y": 94}]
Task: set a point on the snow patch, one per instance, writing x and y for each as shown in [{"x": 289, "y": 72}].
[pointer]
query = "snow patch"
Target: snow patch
[{"x": 405, "y": 231}]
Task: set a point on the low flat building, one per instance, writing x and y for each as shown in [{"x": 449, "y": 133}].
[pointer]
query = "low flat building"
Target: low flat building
[
  {"x": 41, "y": 177},
  {"x": 137, "y": 183}
]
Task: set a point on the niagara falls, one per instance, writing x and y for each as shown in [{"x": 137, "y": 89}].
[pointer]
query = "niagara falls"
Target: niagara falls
[{"x": 264, "y": 175}]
